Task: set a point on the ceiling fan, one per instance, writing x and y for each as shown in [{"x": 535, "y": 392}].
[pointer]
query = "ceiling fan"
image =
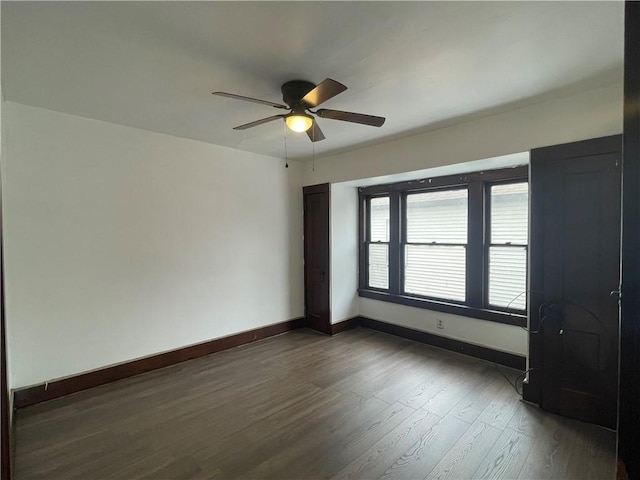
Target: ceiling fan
[{"x": 300, "y": 96}]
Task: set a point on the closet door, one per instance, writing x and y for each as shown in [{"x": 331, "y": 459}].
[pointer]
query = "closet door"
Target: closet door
[
  {"x": 629, "y": 423},
  {"x": 316, "y": 257},
  {"x": 575, "y": 276}
]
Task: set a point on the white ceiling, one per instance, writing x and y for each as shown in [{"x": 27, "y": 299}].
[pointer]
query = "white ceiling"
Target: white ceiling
[{"x": 153, "y": 65}]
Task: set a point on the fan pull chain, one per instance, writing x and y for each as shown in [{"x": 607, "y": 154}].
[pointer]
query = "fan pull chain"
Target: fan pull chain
[
  {"x": 313, "y": 148},
  {"x": 286, "y": 155}
]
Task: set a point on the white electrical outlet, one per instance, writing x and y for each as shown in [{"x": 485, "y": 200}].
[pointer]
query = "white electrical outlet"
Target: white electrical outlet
[{"x": 440, "y": 323}]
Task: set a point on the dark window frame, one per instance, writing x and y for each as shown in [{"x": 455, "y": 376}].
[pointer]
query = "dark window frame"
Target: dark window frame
[
  {"x": 367, "y": 240},
  {"x": 488, "y": 244},
  {"x": 477, "y": 185},
  {"x": 404, "y": 241}
]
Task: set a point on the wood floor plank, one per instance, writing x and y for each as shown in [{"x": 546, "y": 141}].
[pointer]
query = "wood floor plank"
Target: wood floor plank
[
  {"x": 593, "y": 454},
  {"x": 549, "y": 456},
  {"x": 376, "y": 376},
  {"x": 476, "y": 400},
  {"x": 352, "y": 444},
  {"x": 442, "y": 401},
  {"x": 382, "y": 454},
  {"x": 440, "y": 393},
  {"x": 229, "y": 417},
  {"x": 302, "y": 405},
  {"x": 308, "y": 424},
  {"x": 506, "y": 457},
  {"x": 95, "y": 453},
  {"x": 502, "y": 408},
  {"x": 527, "y": 419},
  {"x": 463, "y": 458},
  {"x": 427, "y": 451},
  {"x": 131, "y": 465},
  {"x": 427, "y": 363},
  {"x": 182, "y": 468},
  {"x": 374, "y": 351},
  {"x": 319, "y": 434},
  {"x": 326, "y": 350}
]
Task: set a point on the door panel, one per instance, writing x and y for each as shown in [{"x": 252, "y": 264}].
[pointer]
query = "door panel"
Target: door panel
[
  {"x": 576, "y": 224},
  {"x": 629, "y": 419},
  {"x": 316, "y": 257}
]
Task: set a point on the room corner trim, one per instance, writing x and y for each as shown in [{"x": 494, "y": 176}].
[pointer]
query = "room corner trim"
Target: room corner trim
[
  {"x": 483, "y": 353},
  {"x": 347, "y": 324},
  {"x": 59, "y": 388}
]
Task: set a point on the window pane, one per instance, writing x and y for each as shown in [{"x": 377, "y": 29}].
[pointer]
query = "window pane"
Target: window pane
[
  {"x": 379, "y": 222},
  {"x": 437, "y": 217},
  {"x": 379, "y": 265},
  {"x": 435, "y": 271},
  {"x": 509, "y": 213},
  {"x": 508, "y": 277}
]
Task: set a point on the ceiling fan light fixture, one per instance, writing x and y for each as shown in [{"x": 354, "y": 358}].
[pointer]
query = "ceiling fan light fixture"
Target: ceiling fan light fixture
[
  {"x": 299, "y": 122},
  {"x": 300, "y": 96}
]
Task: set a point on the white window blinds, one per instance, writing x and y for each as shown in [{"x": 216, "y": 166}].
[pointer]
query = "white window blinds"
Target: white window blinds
[
  {"x": 508, "y": 245},
  {"x": 378, "y": 247},
  {"x": 435, "y": 248}
]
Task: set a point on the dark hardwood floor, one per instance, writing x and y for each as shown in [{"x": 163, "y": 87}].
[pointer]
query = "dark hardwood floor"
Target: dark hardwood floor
[{"x": 302, "y": 405}]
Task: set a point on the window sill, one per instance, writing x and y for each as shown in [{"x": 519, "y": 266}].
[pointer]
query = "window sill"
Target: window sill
[{"x": 462, "y": 310}]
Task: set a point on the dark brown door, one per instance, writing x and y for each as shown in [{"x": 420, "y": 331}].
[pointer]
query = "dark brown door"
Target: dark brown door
[
  {"x": 316, "y": 257},
  {"x": 575, "y": 261},
  {"x": 629, "y": 415}
]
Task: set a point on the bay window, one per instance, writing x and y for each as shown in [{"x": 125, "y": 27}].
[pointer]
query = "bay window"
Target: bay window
[{"x": 456, "y": 244}]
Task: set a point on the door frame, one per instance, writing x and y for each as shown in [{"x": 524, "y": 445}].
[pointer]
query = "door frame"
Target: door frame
[
  {"x": 5, "y": 414},
  {"x": 4, "y": 390}
]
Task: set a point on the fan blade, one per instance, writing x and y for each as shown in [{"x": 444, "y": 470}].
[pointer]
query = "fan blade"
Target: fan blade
[
  {"x": 249, "y": 99},
  {"x": 258, "y": 122},
  {"x": 315, "y": 134},
  {"x": 322, "y": 92},
  {"x": 351, "y": 117}
]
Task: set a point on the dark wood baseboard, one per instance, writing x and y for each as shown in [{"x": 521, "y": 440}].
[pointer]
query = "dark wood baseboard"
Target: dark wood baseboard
[
  {"x": 12, "y": 431},
  {"x": 322, "y": 327},
  {"x": 66, "y": 386},
  {"x": 345, "y": 325},
  {"x": 483, "y": 353}
]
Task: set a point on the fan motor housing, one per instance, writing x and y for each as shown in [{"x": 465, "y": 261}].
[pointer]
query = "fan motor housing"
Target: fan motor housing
[{"x": 293, "y": 91}]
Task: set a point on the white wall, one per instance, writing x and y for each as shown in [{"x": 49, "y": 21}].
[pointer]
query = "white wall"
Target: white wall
[
  {"x": 2, "y": 145},
  {"x": 583, "y": 115},
  {"x": 497, "y": 336},
  {"x": 344, "y": 252},
  {"x": 122, "y": 243},
  {"x": 588, "y": 114}
]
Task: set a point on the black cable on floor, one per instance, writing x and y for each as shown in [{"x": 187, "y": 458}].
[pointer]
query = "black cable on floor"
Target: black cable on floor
[{"x": 514, "y": 384}]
